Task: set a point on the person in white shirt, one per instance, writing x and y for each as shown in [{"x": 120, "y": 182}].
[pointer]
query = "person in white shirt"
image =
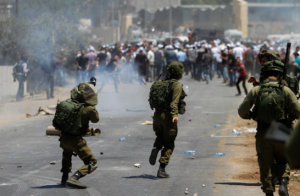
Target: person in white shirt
[
  {"x": 214, "y": 52},
  {"x": 150, "y": 57},
  {"x": 238, "y": 51}
]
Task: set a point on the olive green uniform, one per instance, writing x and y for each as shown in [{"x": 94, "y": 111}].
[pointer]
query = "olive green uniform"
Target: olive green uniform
[
  {"x": 164, "y": 128},
  {"x": 268, "y": 151},
  {"x": 75, "y": 143},
  {"x": 292, "y": 148},
  {"x": 83, "y": 93}
]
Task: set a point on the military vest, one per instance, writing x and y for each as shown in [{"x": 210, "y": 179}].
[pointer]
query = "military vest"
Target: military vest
[
  {"x": 19, "y": 67},
  {"x": 160, "y": 96}
]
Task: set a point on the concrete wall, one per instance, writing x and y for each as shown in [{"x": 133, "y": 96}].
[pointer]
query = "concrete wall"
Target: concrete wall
[
  {"x": 7, "y": 86},
  {"x": 240, "y": 16}
]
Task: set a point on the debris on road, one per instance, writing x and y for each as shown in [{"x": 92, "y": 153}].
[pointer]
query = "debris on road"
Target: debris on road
[
  {"x": 40, "y": 112},
  {"x": 219, "y": 154},
  {"x": 192, "y": 157},
  {"x": 217, "y": 126},
  {"x": 51, "y": 107},
  {"x": 198, "y": 107},
  {"x": 19, "y": 166},
  {"x": 137, "y": 165},
  {"x": 91, "y": 132},
  {"x": 203, "y": 185},
  {"x": 190, "y": 120},
  {"x": 147, "y": 123},
  {"x": 252, "y": 130},
  {"x": 192, "y": 152},
  {"x": 1, "y": 167},
  {"x": 186, "y": 192},
  {"x": 122, "y": 139},
  {"x": 196, "y": 194},
  {"x": 101, "y": 153},
  {"x": 53, "y": 162}
]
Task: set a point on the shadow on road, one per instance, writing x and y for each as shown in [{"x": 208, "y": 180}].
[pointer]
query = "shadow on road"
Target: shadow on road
[
  {"x": 50, "y": 186},
  {"x": 239, "y": 183},
  {"x": 145, "y": 176}
]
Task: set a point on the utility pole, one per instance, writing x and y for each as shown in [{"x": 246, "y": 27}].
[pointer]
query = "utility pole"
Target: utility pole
[
  {"x": 17, "y": 8},
  {"x": 145, "y": 17},
  {"x": 170, "y": 20},
  {"x": 112, "y": 18}
]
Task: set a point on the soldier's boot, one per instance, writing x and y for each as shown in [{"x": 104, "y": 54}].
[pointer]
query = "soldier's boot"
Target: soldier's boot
[
  {"x": 161, "y": 173},
  {"x": 153, "y": 156},
  {"x": 269, "y": 194},
  {"x": 73, "y": 181},
  {"x": 64, "y": 178},
  {"x": 283, "y": 191}
]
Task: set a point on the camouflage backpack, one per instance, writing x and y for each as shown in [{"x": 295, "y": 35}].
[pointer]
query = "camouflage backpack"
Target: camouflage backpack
[
  {"x": 271, "y": 102},
  {"x": 159, "y": 96},
  {"x": 68, "y": 116}
]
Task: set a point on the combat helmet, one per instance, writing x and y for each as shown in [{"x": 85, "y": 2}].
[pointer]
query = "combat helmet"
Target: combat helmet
[
  {"x": 176, "y": 68},
  {"x": 270, "y": 54},
  {"x": 274, "y": 65}
]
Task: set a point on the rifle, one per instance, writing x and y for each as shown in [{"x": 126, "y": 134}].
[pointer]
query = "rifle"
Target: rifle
[{"x": 287, "y": 56}]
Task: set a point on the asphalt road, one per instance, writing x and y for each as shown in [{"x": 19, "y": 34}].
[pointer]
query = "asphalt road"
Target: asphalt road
[{"x": 24, "y": 143}]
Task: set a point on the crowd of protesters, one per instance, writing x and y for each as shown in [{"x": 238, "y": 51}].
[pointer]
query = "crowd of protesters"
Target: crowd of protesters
[{"x": 145, "y": 62}]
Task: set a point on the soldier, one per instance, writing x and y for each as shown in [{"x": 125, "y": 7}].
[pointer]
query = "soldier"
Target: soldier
[
  {"x": 272, "y": 100},
  {"x": 166, "y": 115},
  {"x": 71, "y": 141}
]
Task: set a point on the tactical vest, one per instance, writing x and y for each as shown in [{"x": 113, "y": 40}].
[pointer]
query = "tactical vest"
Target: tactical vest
[
  {"x": 19, "y": 68},
  {"x": 160, "y": 96},
  {"x": 270, "y": 104}
]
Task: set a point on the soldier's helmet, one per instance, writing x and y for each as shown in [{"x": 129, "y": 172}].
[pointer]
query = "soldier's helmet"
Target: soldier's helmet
[
  {"x": 274, "y": 65},
  {"x": 270, "y": 54},
  {"x": 176, "y": 68}
]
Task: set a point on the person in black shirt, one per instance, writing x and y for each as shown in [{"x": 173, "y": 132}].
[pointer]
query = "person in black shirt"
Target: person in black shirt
[
  {"x": 111, "y": 71},
  {"x": 83, "y": 64},
  {"x": 231, "y": 66},
  {"x": 199, "y": 62},
  {"x": 48, "y": 68},
  {"x": 224, "y": 70}
]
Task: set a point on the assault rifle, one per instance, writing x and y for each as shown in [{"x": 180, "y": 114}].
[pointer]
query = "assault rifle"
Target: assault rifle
[{"x": 287, "y": 57}]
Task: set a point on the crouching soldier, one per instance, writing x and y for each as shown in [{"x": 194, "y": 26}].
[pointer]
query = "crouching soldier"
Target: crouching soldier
[{"x": 72, "y": 119}]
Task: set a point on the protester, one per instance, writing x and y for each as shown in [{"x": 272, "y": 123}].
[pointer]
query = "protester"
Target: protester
[
  {"x": 207, "y": 63},
  {"x": 83, "y": 64},
  {"x": 141, "y": 63},
  {"x": 240, "y": 68},
  {"x": 92, "y": 56},
  {"x": 249, "y": 60},
  {"x": 111, "y": 72},
  {"x": 231, "y": 62},
  {"x": 224, "y": 58}
]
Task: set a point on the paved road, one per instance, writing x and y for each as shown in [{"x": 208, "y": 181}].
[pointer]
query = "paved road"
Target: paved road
[{"x": 23, "y": 143}]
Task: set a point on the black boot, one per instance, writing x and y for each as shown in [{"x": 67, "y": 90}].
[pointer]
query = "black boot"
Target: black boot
[
  {"x": 162, "y": 172},
  {"x": 283, "y": 191},
  {"x": 73, "y": 181},
  {"x": 269, "y": 194},
  {"x": 64, "y": 178},
  {"x": 153, "y": 156}
]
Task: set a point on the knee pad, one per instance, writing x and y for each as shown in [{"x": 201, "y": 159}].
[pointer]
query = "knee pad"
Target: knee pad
[{"x": 92, "y": 167}]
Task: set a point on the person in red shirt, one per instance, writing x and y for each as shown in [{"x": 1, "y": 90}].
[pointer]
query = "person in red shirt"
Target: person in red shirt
[{"x": 243, "y": 76}]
